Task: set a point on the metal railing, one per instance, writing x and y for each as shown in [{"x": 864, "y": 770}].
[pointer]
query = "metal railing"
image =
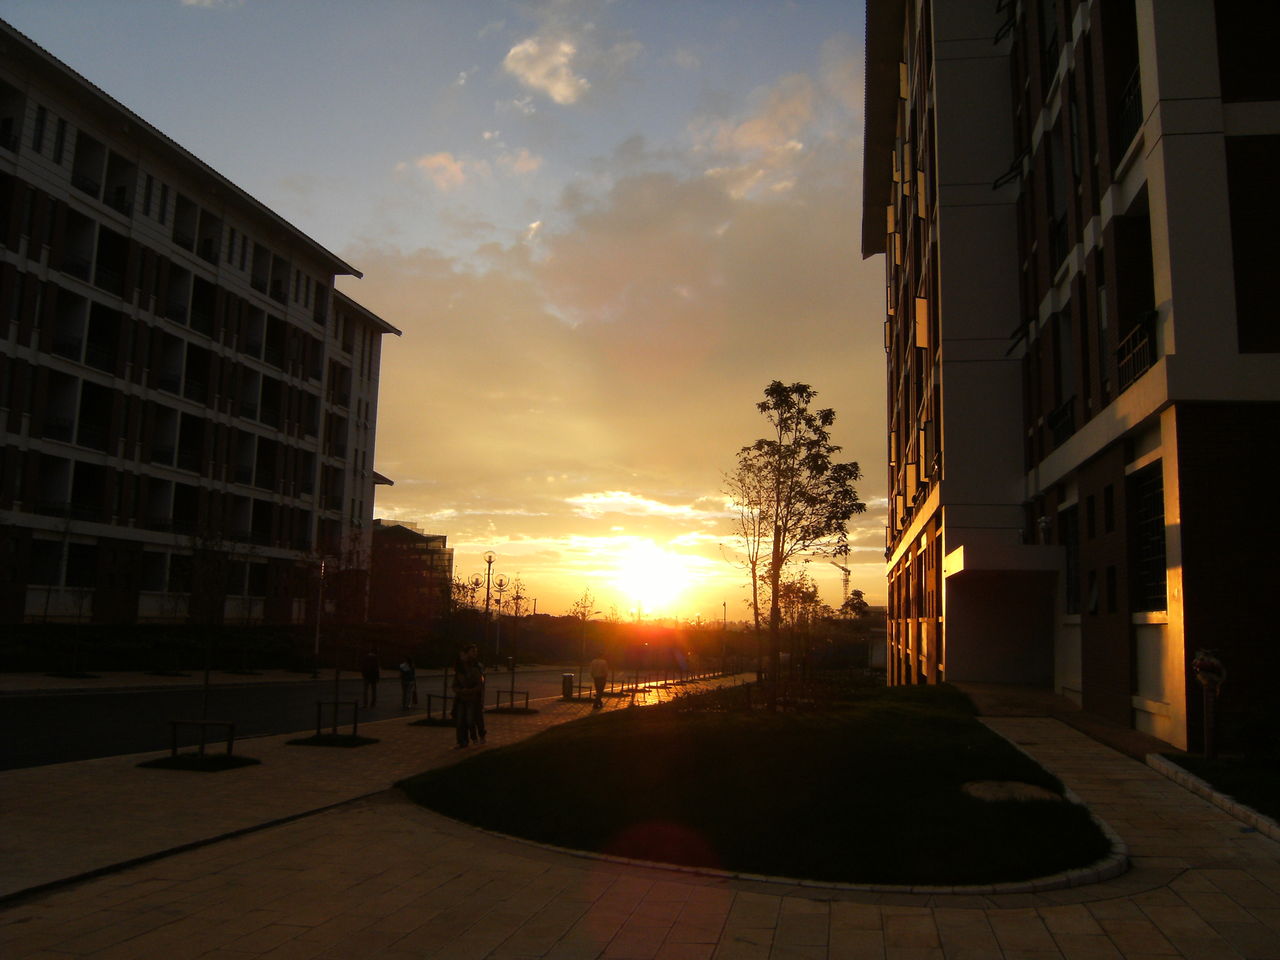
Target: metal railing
[
  {"x": 1062, "y": 422},
  {"x": 1137, "y": 351},
  {"x": 1129, "y": 113}
]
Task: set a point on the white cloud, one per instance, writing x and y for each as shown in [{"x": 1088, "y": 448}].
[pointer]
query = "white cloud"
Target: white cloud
[
  {"x": 545, "y": 64},
  {"x": 520, "y": 161},
  {"x": 446, "y": 171},
  {"x": 596, "y": 505},
  {"x": 529, "y": 236}
]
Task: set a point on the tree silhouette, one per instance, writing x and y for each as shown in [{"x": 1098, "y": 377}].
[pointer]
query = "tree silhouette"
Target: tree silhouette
[{"x": 809, "y": 497}]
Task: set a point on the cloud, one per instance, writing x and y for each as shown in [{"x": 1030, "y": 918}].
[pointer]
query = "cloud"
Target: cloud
[
  {"x": 545, "y": 64},
  {"x": 446, "y": 171},
  {"x": 596, "y": 505},
  {"x": 606, "y": 375},
  {"x": 520, "y": 161},
  {"x": 212, "y": 4}
]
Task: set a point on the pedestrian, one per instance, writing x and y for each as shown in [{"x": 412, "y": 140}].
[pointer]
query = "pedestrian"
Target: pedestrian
[
  {"x": 408, "y": 683},
  {"x": 468, "y": 696},
  {"x": 599, "y": 675},
  {"x": 372, "y": 673}
]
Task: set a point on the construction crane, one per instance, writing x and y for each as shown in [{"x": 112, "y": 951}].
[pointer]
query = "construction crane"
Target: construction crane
[{"x": 844, "y": 578}]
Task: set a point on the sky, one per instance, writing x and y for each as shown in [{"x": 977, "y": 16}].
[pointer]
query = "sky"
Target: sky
[{"x": 603, "y": 226}]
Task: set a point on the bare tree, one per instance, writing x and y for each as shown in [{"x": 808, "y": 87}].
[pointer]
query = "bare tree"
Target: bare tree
[{"x": 750, "y": 494}]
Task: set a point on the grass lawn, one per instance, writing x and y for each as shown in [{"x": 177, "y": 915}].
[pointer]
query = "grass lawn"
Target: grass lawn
[{"x": 865, "y": 789}]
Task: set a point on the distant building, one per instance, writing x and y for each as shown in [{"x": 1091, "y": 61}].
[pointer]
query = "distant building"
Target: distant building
[
  {"x": 1072, "y": 200},
  {"x": 188, "y": 405},
  {"x": 412, "y": 571}
]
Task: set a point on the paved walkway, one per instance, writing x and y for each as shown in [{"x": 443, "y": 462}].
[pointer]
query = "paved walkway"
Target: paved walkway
[{"x": 378, "y": 876}]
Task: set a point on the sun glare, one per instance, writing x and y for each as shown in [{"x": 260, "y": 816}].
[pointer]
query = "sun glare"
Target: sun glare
[{"x": 651, "y": 578}]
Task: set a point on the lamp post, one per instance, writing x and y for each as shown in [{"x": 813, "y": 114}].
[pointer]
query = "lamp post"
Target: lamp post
[
  {"x": 500, "y": 584},
  {"x": 489, "y": 557}
]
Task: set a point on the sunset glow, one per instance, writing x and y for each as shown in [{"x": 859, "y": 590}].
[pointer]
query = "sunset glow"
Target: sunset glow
[
  {"x": 651, "y": 578},
  {"x": 602, "y": 229}
]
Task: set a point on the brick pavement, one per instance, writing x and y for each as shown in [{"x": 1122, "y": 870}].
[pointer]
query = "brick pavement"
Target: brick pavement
[{"x": 382, "y": 877}]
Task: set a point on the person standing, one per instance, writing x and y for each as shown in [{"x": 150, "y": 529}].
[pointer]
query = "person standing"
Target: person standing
[
  {"x": 599, "y": 676},
  {"x": 468, "y": 693},
  {"x": 408, "y": 683},
  {"x": 371, "y": 672}
]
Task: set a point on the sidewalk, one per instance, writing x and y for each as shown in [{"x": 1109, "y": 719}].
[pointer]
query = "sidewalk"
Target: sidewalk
[{"x": 383, "y": 877}]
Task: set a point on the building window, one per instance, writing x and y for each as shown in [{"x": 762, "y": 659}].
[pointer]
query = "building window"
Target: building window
[
  {"x": 45, "y": 566},
  {"x": 1146, "y": 508},
  {"x": 163, "y": 214},
  {"x": 1108, "y": 508},
  {"x": 37, "y": 133},
  {"x": 1090, "y": 518},
  {"x": 147, "y": 186},
  {"x": 59, "y": 141},
  {"x": 1069, "y": 537},
  {"x": 82, "y": 564}
]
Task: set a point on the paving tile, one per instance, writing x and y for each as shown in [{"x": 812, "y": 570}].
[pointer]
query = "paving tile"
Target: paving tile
[{"x": 1256, "y": 941}]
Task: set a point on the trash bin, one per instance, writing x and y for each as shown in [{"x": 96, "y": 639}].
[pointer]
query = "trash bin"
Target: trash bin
[{"x": 566, "y": 685}]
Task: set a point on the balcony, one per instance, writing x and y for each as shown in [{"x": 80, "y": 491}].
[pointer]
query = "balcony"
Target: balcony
[
  {"x": 1062, "y": 422},
  {"x": 58, "y": 428},
  {"x": 169, "y": 382},
  {"x": 1137, "y": 351},
  {"x": 78, "y": 267},
  {"x": 86, "y": 184},
  {"x": 110, "y": 280},
  {"x": 118, "y": 200},
  {"x": 1128, "y": 113}
]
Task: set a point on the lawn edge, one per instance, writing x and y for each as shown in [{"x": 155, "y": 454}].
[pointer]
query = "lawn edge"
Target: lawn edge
[{"x": 1205, "y": 790}]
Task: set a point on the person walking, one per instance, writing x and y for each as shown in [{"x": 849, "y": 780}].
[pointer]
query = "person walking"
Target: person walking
[
  {"x": 599, "y": 676},
  {"x": 371, "y": 671},
  {"x": 408, "y": 683},
  {"x": 468, "y": 693}
]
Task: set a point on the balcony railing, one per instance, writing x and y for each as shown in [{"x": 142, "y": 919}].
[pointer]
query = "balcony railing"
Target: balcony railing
[
  {"x": 78, "y": 267},
  {"x": 1129, "y": 113},
  {"x": 1062, "y": 422},
  {"x": 169, "y": 382},
  {"x": 86, "y": 184},
  {"x": 119, "y": 200},
  {"x": 101, "y": 355},
  {"x": 1057, "y": 241},
  {"x": 66, "y": 345},
  {"x": 58, "y": 428},
  {"x": 1137, "y": 351},
  {"x": 109, "y": 279}
]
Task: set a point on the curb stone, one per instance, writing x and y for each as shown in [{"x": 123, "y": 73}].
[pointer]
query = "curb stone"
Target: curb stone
[{"x": 1202, "y": 788}]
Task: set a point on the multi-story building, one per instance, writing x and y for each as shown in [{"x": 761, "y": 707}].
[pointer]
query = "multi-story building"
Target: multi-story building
[
  {"x": 412, "y": 574},
  {"x": 1083, "y": 353},
  {"x": 188, "y": 404}
]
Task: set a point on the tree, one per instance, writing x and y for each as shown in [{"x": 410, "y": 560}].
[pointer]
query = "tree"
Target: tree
[
  {"x": 750, "y": 494},
  {"x": 855, "y": 606},
  {"x": 809, "y": 497}
]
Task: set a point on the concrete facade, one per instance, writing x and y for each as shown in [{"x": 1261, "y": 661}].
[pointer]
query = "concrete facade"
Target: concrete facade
[
  {"x": 1082, "y": 349},
  {"x": 189, "y": 406}
]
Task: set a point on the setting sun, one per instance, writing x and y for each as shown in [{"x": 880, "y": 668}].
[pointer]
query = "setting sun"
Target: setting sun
[{"x": 652, "y": 579}]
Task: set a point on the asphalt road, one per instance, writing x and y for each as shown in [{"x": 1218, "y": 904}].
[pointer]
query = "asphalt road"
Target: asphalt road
[{"x": 42, "y": 728}]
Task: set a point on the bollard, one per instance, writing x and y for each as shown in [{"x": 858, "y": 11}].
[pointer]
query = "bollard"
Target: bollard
[{"x": 566, "y": 686}]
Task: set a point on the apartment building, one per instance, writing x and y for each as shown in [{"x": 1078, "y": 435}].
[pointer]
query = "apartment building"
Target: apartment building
[
  {"x": 412, "y": 574},
  {"x": 1083, "y": 350},
  {"x": 189, "y": 406}
]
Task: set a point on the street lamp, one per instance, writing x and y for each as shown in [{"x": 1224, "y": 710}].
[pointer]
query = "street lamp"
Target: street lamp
[
  {"x": 500, "y": 584},
  {"x": 489, "y": 557}
]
